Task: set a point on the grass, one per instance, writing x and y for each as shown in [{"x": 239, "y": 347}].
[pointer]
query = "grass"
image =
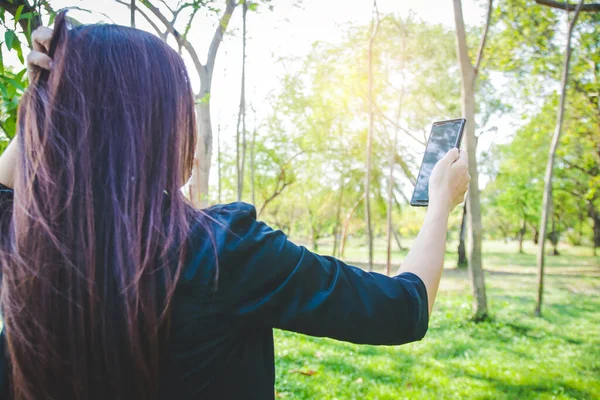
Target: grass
[{"x": 512, "y": 356}]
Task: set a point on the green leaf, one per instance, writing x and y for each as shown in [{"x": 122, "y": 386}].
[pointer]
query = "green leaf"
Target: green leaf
[
  {"x": 18, "y": 14},
  {"x": 20, "y": 75},
  {"x": 9, "y": 36},
  {"x": 11, "y": 127},
  {"x": 252, "y": 6},
  {"x": 1, "y": 61},
  {"x": 19, "y": 50},
  {"x": 27, "y": 15},
  {"x": 16, "y": 84},
  {"x": 4, "y": 90},
  {"x": 28, "y": 33}
]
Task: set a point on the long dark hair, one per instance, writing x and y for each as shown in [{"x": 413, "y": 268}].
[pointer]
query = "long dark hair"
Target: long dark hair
[{"x": 99, "y": 226}]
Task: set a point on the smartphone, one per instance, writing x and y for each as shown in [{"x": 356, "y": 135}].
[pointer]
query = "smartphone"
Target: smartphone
[{"x": 445, "y": 135}]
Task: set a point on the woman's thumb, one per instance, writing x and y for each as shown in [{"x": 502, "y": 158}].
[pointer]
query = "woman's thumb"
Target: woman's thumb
[{"x": 451, "y": 156}]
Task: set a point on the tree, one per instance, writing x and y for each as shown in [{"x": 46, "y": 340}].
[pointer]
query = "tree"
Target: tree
[
  {"x": 252, "y": 159},
  {"x": 462, "y": 251},
  {"x": 167, "y": 27},
  {"x": 570, "y": 7},
  {"x": 27, "y": 15},
  {"x": 368, "y": 222},
  {"x": 512, "y": 197},
  {"x": 240, "y": 147},
  {"x": 393, "y": 153},
  {"x": 547, "y": 197},
  {"x": 132, "y": 8},
  {"x": 319, "y": 111},
  {"x": 469, "y": 74}
]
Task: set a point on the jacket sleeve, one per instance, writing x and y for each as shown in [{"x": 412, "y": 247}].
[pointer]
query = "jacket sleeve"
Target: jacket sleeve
[{"x": 288, "y": 287}]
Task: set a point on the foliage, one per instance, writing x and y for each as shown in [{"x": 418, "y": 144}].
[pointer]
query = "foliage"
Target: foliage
[
  {"x": 529, "y": 49},
  {"x": 321, "y": 110},
  {"x": 16, "y": 28},
  {"x": 12, "y": 87}
]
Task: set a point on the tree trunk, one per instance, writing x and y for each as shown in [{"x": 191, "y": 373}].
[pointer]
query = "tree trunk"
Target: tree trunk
[
  {"x": 346, "y": 224},
  {"x": 536, "y": 235},
  {"x": 368, "y": 222},
  {"x": 132, "y": 14},
  {"x": 199, "y": 180},
  {"x": 241, "y": 151},
  {"x": 336, "y": 228},
  {"x": 522, "y": 235},
  {"x": 219, "y": 182},
  {"x": 547, "y": 198},
  {"x": 595, "y": 216},
  {"x": 198, "y": 184},
  {"x": 313, "y": 235},
  {"x": 389, "y": 209},
  {"x": 462, "y": 249},
  {"x": 474, "y": 227},
  {"x": 554, "y": 237},
  {"x": 469, "y": 76},
  {"x": 580, "y": 230},
  {"x": 397, "y": 238},
  {"x": 313, "y": 230},
  {"x": 203, "y": 154},
  {"x": 393, "y": 152},
  {"x": 252, "y": 145},
  {"x": 596, "y": 231}
]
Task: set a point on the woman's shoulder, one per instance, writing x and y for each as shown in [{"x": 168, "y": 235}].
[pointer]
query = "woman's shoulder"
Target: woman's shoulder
[
  {"x": 227, "y": 222},
  {"x": 231, "y": 213},
  {"x": 220, "y": 236}
]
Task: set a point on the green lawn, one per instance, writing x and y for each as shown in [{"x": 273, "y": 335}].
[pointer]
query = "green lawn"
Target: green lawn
[{"x": 513, "y": 356}]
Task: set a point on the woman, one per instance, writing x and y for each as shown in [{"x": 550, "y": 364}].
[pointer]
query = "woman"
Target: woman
[{"x": 115, "y": 287}]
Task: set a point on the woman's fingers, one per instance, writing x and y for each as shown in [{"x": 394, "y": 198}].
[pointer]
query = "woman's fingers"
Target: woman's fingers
[
  {"x": 37, "y": 61},
  {"x": 451, "y": 156},
  {"x": 41, "y": 38}
]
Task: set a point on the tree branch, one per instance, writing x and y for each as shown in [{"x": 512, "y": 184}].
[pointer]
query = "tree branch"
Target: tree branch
[
  {"x": 13, "y": 6},
  {"x": 485, "y": 34},
  {"x": 168, "y": 7},
  {"x": 461, "y": 42},
  {"x": 218, "y": 38},
  {"x": 170, "y": 29},
  {"x": 132, "y": 14},
  {"x": 143, "y": 14},
  {"x": 594, "y": 171},
  {"x": 189, "y": 24},
  {"x": 396, "y": 125},
  {"x": 278, "y": 190},
  {"x": 400, "y": 161},
  {"x": 594, "y": 7}
]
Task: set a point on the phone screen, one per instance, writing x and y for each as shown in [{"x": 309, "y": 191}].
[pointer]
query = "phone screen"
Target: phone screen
[{"x": 444, "y": 136}]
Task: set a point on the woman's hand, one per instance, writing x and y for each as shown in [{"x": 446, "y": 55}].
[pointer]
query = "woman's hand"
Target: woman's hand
[
  {"x": 449, "y": 181},
  {"x": 38, "y": 59}
]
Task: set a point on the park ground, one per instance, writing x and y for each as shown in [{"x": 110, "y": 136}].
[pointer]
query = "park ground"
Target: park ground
[{"x": 512, "y": 356}]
